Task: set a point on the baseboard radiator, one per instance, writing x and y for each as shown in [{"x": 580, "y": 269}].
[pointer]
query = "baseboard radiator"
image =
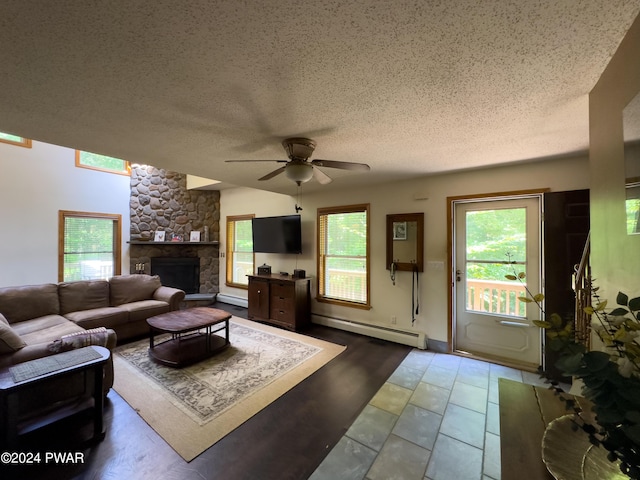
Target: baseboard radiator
[
  {"x": 413, "y": 339},
  {"x": 232, "y": 300}
]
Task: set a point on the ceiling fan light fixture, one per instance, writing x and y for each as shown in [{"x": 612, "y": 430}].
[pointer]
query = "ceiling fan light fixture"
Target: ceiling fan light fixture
[
  {"x": 297, "y": 147},
  {"x": 299, "y": 172}
]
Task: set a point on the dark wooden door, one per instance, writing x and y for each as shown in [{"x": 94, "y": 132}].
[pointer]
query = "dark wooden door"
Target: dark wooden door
[{"x": 566, "y": 226}]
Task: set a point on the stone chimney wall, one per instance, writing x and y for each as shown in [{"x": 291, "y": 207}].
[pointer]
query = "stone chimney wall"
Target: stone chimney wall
[{"x": 160, "y": 201}]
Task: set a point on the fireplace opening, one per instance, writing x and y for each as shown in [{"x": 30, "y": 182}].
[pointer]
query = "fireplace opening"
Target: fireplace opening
[{"x": 178, "y": 272}]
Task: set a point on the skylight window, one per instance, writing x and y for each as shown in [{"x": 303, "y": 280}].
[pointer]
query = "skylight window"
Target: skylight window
[
  {"x": 15, "y": 140},
  {"x": 102, "y": 163}
]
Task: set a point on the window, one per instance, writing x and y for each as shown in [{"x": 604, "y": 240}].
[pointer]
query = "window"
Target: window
[
  {"x": 88, "y": 246},
  {"x": 102, "y": 163},
  {"x": 240, "y": 258},
  {"x": 343, "y": 255},
  {"x": 15, "y": 140},
  {"x": 632, "y": 206}
]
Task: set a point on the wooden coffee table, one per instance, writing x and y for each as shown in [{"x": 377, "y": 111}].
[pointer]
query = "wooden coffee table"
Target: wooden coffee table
[{"x": 192, "y": 335}]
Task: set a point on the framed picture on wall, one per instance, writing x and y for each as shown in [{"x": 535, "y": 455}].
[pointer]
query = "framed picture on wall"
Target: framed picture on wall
[
  {"x": 194, "y": 236},
  {"x": 399, "y": 230},
  {"x": 159, "y": 236}
]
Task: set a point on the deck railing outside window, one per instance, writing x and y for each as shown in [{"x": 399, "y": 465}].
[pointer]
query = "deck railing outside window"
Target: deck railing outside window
[
  {"x": 346, "y": 284},
  {"x": 494, "y": 296}
]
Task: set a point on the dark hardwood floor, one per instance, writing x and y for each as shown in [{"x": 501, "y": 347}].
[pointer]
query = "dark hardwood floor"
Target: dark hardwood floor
[{"x": 286, "y": 440}]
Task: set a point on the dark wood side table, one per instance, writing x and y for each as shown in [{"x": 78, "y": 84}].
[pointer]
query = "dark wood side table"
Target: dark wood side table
[
  {"x": 525, "y": 412},
  {"x": 13, "y": 424}
]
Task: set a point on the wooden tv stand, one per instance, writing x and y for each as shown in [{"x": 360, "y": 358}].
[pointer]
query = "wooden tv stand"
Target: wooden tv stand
[{"x": 280, "y": 300}]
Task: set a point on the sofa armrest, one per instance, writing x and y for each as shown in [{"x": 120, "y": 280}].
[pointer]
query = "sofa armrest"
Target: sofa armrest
[
  {"x": 91, "y": 337},
  {"x": 26, "y": 354},
  {"x": 173, "y": 296},
  {"x": 43, "y": 349},
  {"x": 39, "y": 350}
]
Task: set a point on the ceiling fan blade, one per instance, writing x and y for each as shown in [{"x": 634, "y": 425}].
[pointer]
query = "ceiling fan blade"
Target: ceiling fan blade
[
  {"x": 341, "y": 165},
  {"x": 321, "y": 177},
  {"x": 277, "y": 171},
  {"x": 234, "y": 161}
]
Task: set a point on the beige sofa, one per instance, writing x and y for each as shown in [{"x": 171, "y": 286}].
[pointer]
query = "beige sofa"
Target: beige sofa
[{"x": 34, "y": 317}]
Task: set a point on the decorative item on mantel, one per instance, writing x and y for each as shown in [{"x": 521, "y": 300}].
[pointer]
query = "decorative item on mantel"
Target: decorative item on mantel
[
  {"x": 610, "y": 381},
  {"x": 176, "y": 238},
  {"x": 159, "y": 236},
  {"x": 206, "y": 234}
]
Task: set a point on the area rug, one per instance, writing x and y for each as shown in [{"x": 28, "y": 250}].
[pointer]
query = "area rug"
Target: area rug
[{"x": 194, "y": 407}]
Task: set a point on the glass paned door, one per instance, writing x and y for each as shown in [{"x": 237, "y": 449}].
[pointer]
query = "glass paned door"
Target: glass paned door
[{"x": 493, "y": 239}]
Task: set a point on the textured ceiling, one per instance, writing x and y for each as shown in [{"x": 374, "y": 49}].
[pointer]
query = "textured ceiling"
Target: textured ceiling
[{"x": 409, "y": 87}]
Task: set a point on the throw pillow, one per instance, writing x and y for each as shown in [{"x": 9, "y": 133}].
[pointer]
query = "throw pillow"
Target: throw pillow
[
  {"x": 10, "y": 341},
  {"x": 95, "y": 336}
]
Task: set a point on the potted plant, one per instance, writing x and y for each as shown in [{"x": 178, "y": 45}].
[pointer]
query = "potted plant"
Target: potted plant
[{"x": 610, "y": 375}]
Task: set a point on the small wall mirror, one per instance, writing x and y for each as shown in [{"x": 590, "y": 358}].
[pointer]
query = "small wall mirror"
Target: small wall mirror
[
  {"x": 405, "y": 241},
  {"x": 631, "y": 122}
]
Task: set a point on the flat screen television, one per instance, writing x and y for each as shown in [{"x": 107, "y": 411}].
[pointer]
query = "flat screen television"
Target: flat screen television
[{"x": 277, "y": 234}]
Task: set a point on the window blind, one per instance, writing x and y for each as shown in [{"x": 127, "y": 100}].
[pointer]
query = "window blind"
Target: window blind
[
  {"x": 240, "y": 258},
  {"x": 343, "y": 254},
  {"x": 89, "y": 246}
]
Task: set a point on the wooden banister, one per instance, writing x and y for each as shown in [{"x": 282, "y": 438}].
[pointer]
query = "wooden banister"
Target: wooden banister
[{"x": 582, "y": 289}]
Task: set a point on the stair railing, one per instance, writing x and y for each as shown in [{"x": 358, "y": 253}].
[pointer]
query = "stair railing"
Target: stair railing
[{"x": 582, "y": 289}]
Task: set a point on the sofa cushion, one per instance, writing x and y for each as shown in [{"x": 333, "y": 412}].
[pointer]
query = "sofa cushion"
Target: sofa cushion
[
  {"x": 99, "y": 317},
  {"x": 83, "y": 295},
  {"x": 133, "y": 288},
  {"x": 31, "y": 301},
  {"x": 44, "y": 329},
  {"x": 10, "y": 341},
  {"x": 140, "y": 311}
]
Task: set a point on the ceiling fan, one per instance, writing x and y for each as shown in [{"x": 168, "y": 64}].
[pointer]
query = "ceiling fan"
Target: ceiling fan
[{"x": 299, "y": 169}]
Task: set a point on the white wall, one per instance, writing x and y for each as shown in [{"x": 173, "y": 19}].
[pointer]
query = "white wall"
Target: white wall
[
  {"x": 615, "y": 256},
  {"x": 388, "y": 300},
  {"x": 37, "y": 182}
]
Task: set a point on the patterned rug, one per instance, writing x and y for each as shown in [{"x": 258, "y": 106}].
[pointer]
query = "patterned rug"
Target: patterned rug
[{"x": 194, "y": 407}]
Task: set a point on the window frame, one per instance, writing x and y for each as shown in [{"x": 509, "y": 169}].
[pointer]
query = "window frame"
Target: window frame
[
  {"x": 320, "y": 261},
  {"x": 24, "y": 142},
  {"x": 230, "y": 252},
  {"x": 117, "y": 237},
  {"x": 79, "y": 164}
]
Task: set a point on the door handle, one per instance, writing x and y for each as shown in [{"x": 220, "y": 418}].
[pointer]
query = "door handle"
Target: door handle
[
  {"x": 513, "y": 324},
  {"x": 458, "y": 275}
]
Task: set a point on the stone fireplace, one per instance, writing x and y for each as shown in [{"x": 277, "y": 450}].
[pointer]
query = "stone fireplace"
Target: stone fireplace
[{"x": 160, "y": 201}]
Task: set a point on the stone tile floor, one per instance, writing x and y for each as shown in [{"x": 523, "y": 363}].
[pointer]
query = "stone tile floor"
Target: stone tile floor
[{"x": 436, "y": 418}]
